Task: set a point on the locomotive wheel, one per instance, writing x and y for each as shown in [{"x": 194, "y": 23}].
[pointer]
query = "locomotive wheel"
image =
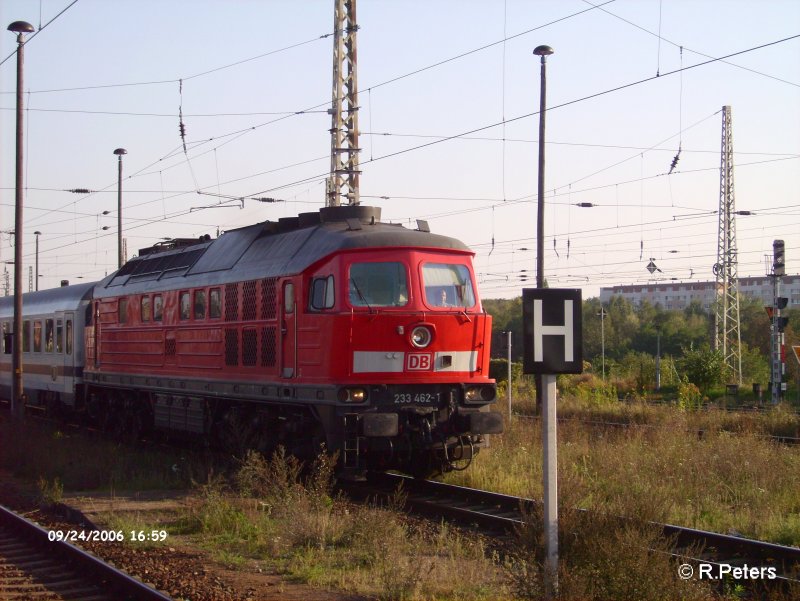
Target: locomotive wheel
[
  {"x": 237, "y": 432},
  {"x": 424, "y": 466}
]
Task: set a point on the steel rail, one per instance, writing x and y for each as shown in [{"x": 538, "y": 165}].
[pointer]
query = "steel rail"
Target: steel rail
[
  {"x": 117, "y": 583},
  {"x": 497, "y": 512}
]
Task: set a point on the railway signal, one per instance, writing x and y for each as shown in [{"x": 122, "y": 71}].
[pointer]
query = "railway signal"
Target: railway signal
[{"x": 778, "y": 348}]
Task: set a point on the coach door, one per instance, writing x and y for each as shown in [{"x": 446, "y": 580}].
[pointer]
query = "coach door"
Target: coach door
[
  {"x": 288, "y": 332},
  {"x": 65, "y": 353}
]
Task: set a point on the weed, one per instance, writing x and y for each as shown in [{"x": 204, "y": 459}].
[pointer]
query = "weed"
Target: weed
[{"x": 50, "y": 493}]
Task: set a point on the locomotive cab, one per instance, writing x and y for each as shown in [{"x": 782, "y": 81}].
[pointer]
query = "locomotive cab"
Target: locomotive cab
[{"x": 411, "y": 358}]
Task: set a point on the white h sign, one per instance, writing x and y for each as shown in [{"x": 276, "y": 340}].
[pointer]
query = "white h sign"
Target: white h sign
[
  {"x": 552, "y": 326},
  {"x": 540, "y": 331}
]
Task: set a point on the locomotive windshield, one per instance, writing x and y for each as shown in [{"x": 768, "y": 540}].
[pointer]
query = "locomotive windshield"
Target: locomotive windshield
[
  {"x": 378, "y": 285},
  {"x": 447, "y": 285}
]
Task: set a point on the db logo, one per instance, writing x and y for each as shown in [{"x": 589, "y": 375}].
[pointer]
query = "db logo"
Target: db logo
[{"x": 419, "y": 361}]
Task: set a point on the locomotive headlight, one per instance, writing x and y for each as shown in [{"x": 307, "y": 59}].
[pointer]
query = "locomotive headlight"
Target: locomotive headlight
[
  {"x": 352, "y": 395},
  {"x": 421, "y": 336},
  {"x": 479, "y": 394}
]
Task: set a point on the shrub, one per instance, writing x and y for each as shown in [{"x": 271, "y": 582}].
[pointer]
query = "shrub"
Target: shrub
[{"x": 689, "y": 397}]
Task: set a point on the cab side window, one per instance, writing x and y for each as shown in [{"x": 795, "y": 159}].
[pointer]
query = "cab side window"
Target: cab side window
[{"x": 322, "y": 293}]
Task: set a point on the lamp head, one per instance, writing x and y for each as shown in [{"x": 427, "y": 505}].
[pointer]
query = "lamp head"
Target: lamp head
[
  {"x": 21, "y": 27},
  {"x": 120, "y": 151}
]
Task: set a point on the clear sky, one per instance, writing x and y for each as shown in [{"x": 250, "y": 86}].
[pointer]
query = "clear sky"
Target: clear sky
[{"x": 105, "y": 74}]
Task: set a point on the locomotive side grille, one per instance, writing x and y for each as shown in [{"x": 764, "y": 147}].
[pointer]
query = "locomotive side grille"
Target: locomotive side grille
[
  {"x": 231, "y": 347},
  {"x": 268, "y": 354},
  {"x": 249, "y": 300},
  {"x": 249, "y": 347},
  {"x": 269, "y": 303},
  {"x": 170, "y": 347},
  {"x": 231, "y": 302}
]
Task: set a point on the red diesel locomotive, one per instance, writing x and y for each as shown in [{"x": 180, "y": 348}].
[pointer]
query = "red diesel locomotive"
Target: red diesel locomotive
[{"x": 328, "y": 328}]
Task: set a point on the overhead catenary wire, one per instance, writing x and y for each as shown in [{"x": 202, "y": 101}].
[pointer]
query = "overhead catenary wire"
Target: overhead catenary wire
[
  {"x": 37, "y": 32},
  {"x": 676, "y": 44},
  {"x": 306, "y": 180},
  {"x": 166, "y": 81},
  {"x": 534, "y": 113},
  {"x": 218, "y": 180}
]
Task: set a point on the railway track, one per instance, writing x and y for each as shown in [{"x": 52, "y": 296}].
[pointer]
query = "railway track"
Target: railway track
[
  {"x": 499, "y": 513},
  {"x": 34, "y": 567}
]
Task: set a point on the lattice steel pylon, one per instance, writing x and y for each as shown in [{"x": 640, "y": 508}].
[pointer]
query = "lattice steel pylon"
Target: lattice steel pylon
[
  {"x": 343, "y": 180},
  {"x": 727, "y": 336}
]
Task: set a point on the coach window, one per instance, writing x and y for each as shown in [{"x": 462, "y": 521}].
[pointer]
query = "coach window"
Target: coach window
[
  {"x": 26, "y": 336},
  {"x": 37, "y": 336},
  {"x": 378, "y": 285},
  {"x": 322, "y": 293},
  {"x": 146, "y": 309},
  {"x": 7, "y": 342},
  {"x": 48, "y": 336},
  {"x": 69, "y": 337},
  {"x": 199, "y": 304},
  {"x": 59, "y": 336},
  {"x": 123, "y": 310},
  {"x": 214, "y": 303},
  {"x": 186, "y": 305},
  {"x": 158, "y": 308}
]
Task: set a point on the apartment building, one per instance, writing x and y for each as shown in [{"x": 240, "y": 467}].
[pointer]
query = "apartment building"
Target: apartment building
[{"x": 679, "y": 295}]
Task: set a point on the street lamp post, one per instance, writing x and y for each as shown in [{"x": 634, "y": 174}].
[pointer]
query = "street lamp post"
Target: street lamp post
[
  {"x": 37, "y": 233},
  {"x": 508, "y": 334},
  {"x": 602, "y": 315},
  {"x": 544, "y": 52},
  {"x": 119, "y": 152},
  {"x": 20, "y": 28},
  {"x": 546, "y": 383}
]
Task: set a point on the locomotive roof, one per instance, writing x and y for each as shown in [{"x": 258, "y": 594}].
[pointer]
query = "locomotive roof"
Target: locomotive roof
[
  {"x": 267, "y": 249},
  {"x": 43, "y": 302}
]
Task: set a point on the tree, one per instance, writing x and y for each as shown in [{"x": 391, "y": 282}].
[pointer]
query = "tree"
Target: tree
[{"x": 704, "y": 367}]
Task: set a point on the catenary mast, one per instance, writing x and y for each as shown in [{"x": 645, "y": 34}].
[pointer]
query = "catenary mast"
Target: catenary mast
[
  {"x": 727, "y": 336},
  {"x": 343, "y": 181}
]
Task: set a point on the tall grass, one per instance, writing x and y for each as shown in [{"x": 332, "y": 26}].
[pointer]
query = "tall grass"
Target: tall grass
[
  {"x": 277, "y": 511},
  {"x": 48, "y": 454},
  {"x": 711, "y": 470},
  {"x": 601, "y": 557}
]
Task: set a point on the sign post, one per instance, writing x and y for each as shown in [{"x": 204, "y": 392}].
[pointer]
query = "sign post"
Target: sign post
[{"x": 553, "y": 344}]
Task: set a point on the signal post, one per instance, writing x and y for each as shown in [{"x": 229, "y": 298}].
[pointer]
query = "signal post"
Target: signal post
[
  {"x": 778, "y": 345},
  {"x": 553, "y": 344}
]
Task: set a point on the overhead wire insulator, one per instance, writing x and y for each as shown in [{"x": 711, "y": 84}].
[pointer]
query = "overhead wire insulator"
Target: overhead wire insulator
[
  {"x": 675, "y": 161},
  {"x": 182, "y": 129}
]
